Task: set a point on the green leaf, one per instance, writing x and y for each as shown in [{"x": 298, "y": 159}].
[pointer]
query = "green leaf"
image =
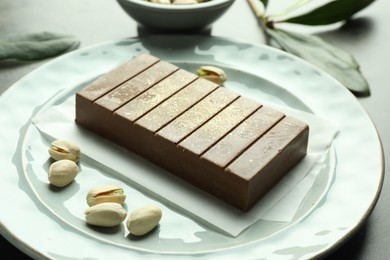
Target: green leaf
[
  {"x": 293, "y": 7},
  {"x": 35, "y": 46},
  {"x": 337, "y": 62},
  {"x": 335, "y": 11}
]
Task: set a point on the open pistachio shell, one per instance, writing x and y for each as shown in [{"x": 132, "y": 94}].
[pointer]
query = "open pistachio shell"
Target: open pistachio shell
[
  {"x": 212, "y": 73},
  {"x": 107, "y": 193},
  {"x": 63, "y": 149}
]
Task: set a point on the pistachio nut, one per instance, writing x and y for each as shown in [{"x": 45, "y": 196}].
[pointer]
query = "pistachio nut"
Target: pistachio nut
[
  {"x": 184, "y": 2},
  {"x": 107, "y": 193},
  {"x": 62, "y": 172},
  {"x": 106, "y": 214},
  {"x": 212, "y": 73},
  {"x": 160, "y": 1},
  {"x": 63, "y": 149},
  {"x": 143, "y": 220}
]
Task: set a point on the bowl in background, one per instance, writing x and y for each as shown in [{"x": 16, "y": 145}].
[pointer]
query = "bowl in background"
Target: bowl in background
[{"x": 170, "y": 17}]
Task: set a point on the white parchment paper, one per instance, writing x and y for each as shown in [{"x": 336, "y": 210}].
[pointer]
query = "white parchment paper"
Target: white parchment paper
[{"x": 280, "y": 204}]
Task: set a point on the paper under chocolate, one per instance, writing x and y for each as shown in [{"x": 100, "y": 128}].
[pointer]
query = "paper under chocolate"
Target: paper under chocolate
[{"x": 225, "y": 144}]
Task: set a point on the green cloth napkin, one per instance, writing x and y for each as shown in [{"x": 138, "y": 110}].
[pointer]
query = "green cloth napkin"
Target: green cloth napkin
[{"x": 35, "y": 46}]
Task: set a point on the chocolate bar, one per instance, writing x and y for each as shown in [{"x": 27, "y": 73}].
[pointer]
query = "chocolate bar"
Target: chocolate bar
[{"x": 230, "y": 146}]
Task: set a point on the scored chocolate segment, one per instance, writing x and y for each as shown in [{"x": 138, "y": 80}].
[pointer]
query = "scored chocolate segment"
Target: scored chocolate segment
[
  {"x": 243, "y": 136},
  {"x": 261, "y": 153},
  {"x": 195, "y": 117},
  {"x": 176, "y": 105},
  {"x": 153, "y": 96},
  {"x": 117, "y": 76},
  {"x": 227, "y": 145},
  {"x": 268, "y": 159},
  {"x": 136, "y": 85},
  {"x": 213, "y": 130}
]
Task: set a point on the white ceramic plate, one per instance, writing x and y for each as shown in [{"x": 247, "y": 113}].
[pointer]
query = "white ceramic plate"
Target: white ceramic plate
[{"x": 47, "y": 222}]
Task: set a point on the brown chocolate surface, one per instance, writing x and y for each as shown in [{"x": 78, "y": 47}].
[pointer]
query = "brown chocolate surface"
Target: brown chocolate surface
[
  {"x": 176, "y": 105},
  {"x": 227, "y": 149},
  {"x": 136, "y": 85},
  {"x": 195, "y": 117},
  {"x": 117, "y": 76},
  {"x": 227, "y": 145},
  {"x": 153, "y": 96},
  {"x": 218, "y": 126}
]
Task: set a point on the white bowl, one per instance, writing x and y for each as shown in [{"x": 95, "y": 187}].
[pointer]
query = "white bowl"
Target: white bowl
[{"x": 175, "y": 17}]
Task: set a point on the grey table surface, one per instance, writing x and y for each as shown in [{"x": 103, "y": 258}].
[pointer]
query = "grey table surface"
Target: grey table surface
[{"x": 366, "y": 37}]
